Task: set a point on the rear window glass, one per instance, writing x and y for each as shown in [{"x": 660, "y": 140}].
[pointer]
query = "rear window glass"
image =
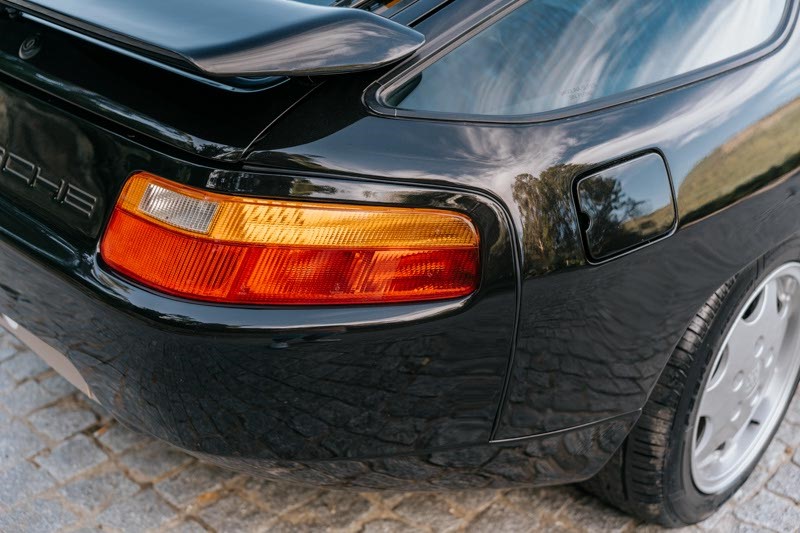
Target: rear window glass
[{"x": 552, "y": 54}]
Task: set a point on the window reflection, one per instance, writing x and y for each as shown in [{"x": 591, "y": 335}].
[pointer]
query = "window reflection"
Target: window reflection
[{"x": 552, "y": 54}]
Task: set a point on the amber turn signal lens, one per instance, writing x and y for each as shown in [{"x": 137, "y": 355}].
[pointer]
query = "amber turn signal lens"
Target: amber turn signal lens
[{"x": 232, "y": 249}]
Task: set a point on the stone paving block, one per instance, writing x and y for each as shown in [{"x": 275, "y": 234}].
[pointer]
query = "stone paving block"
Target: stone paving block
[
  {"x": 553, "y": 498},
  {"x": 39, "y": 516},
  {"x": 387, "y": 526},
  {"x": 793, "y": 414},
  {"x": 755, "y": 483},
  {"x": 72, "y": 457},
  {"x": 95, "y": 492},
  {"x": 183, "y": 487},
  {"x": 278, "y": 497},
  {"x": 741, "y": 527},
  {"x": 777, "y": 453},
  {"x": 8, "y": 348},
  {"x": 786, "y": 483},
  {"x": 429, "y": 510},
  {"x": 142, "y": 512},
  {"x": 154, "y": 461},
  {"x": 473, "y": 500},
  {"x": 59, "y": 422},
  {"x": 770, "y": 511},
  {"x": 27, "y": 397},
  {"x": 589, "y": 513},
  {"x": 17, "y": 442},
  {"x": 334, "y": 509},
  {"x": 789, "y": 434},
  {"x": 233, "y": 513},
  {"x": 502, "y": 516},
  {"x": 390, "y": 499},
  {"x": 7, "y": 383},
  {"x": 24, "y": 365},
  {"x": 22, "y": 482},
  {"x": 58, "y": 386},
  {"x": 118, "y": 438},
  {"x": 189, "y": 526}
]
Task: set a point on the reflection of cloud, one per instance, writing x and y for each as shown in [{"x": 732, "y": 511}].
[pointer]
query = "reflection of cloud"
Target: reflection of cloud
[
  {"x": 786, "y": 87},
  {"x": 556, "y": 55},
  {"x": 723, "y": 30},
  {"x": 702, "y": 115},
  {"x": 624, "y": 56},
  {"x": 515, "y": 153}
]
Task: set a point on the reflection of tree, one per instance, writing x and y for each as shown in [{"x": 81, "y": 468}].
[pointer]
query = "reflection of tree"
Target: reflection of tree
[
  {"x": 550, "y": 235},
  {"x": 551, "y": 232},
  {"x": 305, "y": 187},
  {"x": 609, "y": 210}
]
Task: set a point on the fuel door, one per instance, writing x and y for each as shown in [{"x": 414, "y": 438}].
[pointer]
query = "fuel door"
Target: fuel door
[{"x": 625, "y": 206}]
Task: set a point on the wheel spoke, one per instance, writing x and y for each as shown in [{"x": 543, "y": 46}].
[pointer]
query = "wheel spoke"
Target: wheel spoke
[
  {"x": 714, "y": 442},
  {"x": 744, "y": 340},
  {"x": 759, "y": 333},
  {"x": 773, "y": 320},
  {"x": 716, "y": 399},
  {"x": 744, "y": 347}
]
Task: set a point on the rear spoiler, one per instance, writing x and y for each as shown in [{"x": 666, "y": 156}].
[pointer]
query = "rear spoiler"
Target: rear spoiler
[{"x": 233, "y": 38}]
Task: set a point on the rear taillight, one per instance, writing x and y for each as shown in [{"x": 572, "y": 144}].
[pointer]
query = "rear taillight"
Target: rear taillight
[{"x": 221, "y": 248}]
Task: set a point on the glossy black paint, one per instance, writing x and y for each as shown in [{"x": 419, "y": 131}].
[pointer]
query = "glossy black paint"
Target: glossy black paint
[
  {"x": 592, "y": 340},
  {"x": 235, "y": 37},
  {"x": 138, "y": 100},
  {"x": 550, "y": 459},
  {"x": 536, "y": 379}
]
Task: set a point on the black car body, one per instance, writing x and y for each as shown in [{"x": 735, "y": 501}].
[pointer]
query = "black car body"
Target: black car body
[{"x": 535, "y": 378}]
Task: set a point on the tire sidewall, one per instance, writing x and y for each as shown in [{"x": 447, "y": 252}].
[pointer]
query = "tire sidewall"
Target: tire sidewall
[{"x": 687, "y": 502}]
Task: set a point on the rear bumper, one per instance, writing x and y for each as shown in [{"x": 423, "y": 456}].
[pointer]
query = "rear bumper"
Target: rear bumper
[{"x": 560, "y": 457}]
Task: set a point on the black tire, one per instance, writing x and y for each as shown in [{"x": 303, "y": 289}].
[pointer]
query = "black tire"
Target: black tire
[{"x": 650, "y": 475}]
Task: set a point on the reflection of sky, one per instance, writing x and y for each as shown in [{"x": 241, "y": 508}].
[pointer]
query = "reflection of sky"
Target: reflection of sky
[
  {"x": 551, "y": 54},
  {"x": 651, "y": 191},
  {"x": 696, "y": 127},
  {"x": 643, "y": 180}
]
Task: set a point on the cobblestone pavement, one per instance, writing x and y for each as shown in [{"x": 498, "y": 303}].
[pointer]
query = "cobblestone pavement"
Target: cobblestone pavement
[{"x": 66, "y": 466}]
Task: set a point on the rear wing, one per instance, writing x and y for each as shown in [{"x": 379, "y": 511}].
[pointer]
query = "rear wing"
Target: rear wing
[{"x": 232, "y": 38}]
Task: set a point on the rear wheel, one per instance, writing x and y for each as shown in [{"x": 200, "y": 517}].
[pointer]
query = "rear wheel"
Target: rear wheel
[{"x": 718, "y": 403}]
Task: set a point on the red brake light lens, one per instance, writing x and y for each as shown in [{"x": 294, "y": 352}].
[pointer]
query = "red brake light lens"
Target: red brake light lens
[{"x": 231, "y": 249}]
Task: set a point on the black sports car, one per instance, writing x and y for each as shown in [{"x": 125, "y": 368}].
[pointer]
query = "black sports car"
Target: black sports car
[{"x": 415, "y": 244}]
